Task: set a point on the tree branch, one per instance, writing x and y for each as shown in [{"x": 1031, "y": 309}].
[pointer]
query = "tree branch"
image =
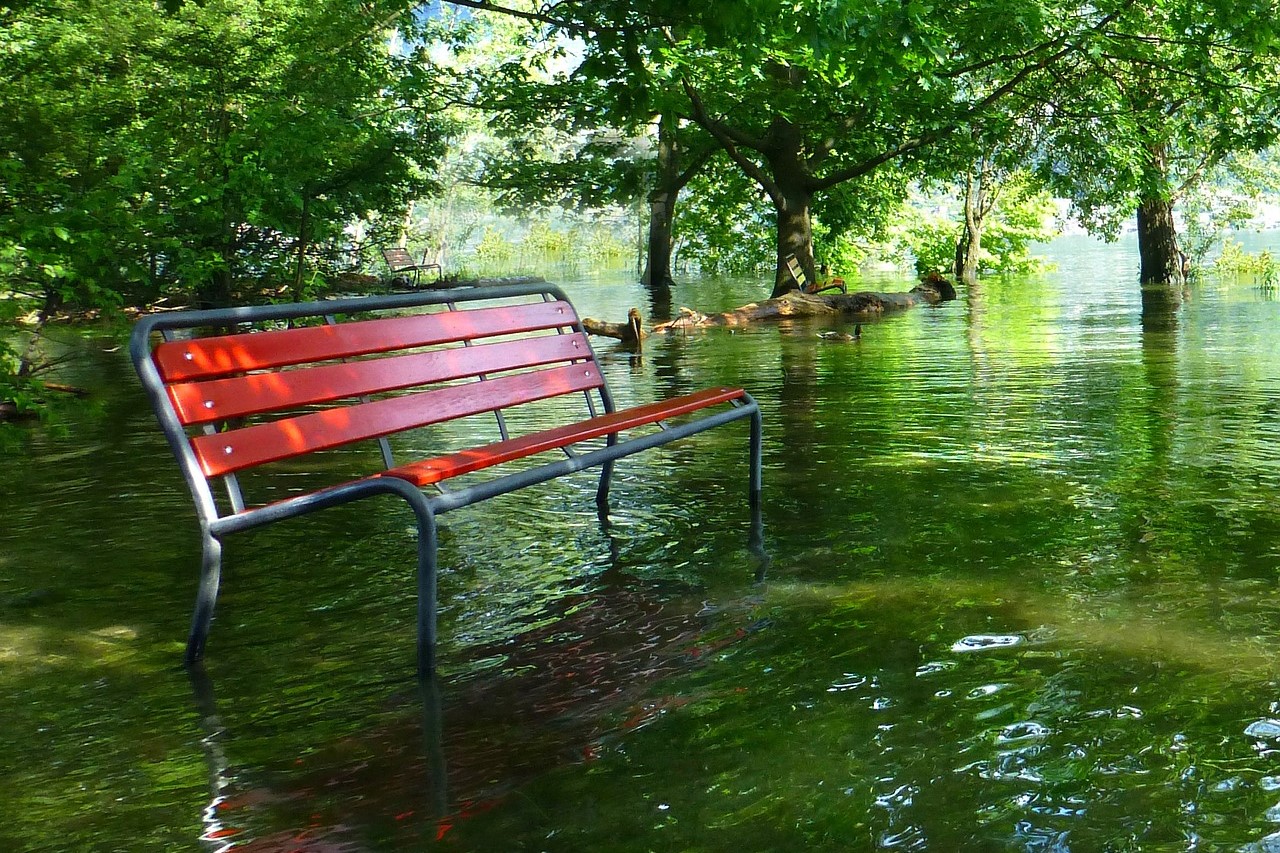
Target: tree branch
[
  {"x": 729, "y": 139},
  {"x": 543, "y": 16},
  {"x": 857, "y": 170},
  {"x": 1207, "y": 162},
  {"x": 696, "y": 166}
]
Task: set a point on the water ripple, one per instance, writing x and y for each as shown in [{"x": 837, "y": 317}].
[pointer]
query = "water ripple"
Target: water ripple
[{"x": 987, "y": 642}]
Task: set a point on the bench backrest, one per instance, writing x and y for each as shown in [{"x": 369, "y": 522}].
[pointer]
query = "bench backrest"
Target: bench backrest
[
  {"x": 797, "y": 272},
  {"x": 398, "y": 258},
  {"x": 271, "y": 395}
]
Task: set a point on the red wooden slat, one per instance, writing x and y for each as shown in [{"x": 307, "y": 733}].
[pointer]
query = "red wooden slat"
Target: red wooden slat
[
  {"x": 237, "y": 396},
  {"x": 443, "y": 467},
  {"x": 204, "y": 358},
  {"x": 235, "y": 450}
]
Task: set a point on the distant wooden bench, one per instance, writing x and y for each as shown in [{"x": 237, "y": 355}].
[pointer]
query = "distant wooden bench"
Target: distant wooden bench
[
  {"x": 340, "y": 373},
  {"x": 802, "y": 280},
  {"x": 400, "y": 262}
]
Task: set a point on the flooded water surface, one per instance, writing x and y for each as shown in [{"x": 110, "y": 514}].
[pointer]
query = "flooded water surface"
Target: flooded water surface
[{"x": 1022, "y": 594}]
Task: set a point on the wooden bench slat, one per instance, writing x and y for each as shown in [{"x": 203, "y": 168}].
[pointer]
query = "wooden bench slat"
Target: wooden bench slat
[
  {"x": 797, "y": 272},
  {"x": 237, "y": 396},
  {"x": 234, "y": 450},
  {"x": 398, "y": 258},
  {"x": 206, "y": 358},
  {"x": 441, "y": 468}
]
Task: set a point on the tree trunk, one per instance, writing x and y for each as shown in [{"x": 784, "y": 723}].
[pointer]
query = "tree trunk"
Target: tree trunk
[
  {"x": 967, "y": 253},
  {"x": 1157, "y": 237},
  {"x": 975, "y": 212},
  {"x": 662, "y": 205},
  {"x": 300, "y": 270},
  {"x": 795, "y": 237},
  {"x": 1158, "y": 243},
  {"x": 792, "y": 199},
  {"x": 657, "y": 267}
]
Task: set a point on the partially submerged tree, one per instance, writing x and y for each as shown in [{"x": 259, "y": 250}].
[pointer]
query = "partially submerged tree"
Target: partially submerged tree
[
  {"x": 1138, "y": 120},
  {"x": 806, "y": 97},
  {"x": 580, "y": 127},
  {"x": 1002, "y": 211}
]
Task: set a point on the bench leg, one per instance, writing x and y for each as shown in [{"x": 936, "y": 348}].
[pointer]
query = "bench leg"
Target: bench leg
[
  {"x": 602, "y": 492},
  {"x": 756, "y": 541},
  {"x": 427, "y": 571},
  {"x": 206, "y": 597},
  {"x": 606, "y": 478}
]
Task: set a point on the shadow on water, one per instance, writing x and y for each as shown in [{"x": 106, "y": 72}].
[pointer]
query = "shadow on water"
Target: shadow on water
[{"x": 442, "y": 753}]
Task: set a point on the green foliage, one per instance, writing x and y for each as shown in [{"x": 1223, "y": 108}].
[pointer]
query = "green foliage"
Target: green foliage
[
  {"x": 543, "y": 130},
  {"x": 1225, "y": 201},
  {"x": 1262, "y": 268},
  {"x": 1023, "y": 215},
  {"x": 931, "y": 243},
  {"x": 929, "y": 227},
  {"x": 210, "y": 149},
  {"x": 494, "y": 249},
  {"x": 210, "y": 152},
  {"x": 1160, "y": 99},
  {"x": 807, "y": 97},
  {"x": 723, "y": 227}
]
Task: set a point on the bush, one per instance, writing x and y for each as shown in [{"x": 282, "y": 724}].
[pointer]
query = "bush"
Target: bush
[{"x": 1235, "y": 262}]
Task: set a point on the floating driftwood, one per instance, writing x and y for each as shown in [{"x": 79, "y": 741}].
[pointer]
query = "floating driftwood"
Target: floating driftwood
[
  {"x": 789, "y": 306},
  {"x": 631, "y": 333}
]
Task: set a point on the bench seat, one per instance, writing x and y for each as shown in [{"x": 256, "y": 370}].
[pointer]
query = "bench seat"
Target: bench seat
[{"x": 429, "y": 471}]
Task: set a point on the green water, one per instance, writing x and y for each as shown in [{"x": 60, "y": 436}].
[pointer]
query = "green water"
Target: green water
[{"x": 1022, "y": 595}]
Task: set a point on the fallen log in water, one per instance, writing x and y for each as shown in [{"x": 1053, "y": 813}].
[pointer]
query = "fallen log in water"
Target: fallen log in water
[
  {"x": 631, "y": 333},
  {"x": 789, "y": 306}
]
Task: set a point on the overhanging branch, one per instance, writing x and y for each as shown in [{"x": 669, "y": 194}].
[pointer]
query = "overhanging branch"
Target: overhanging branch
[
  {"x": 857, "y": 170},
  {"x": 729, "y": 139}
]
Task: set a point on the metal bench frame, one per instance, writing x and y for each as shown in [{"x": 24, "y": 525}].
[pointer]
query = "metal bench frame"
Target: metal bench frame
[{"x": 216, "y": 524}]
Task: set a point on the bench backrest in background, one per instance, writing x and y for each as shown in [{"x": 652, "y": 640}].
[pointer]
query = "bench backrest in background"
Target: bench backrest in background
[
  {"x": 797, "y": 272},
  {"x": 398, "y": 258}
]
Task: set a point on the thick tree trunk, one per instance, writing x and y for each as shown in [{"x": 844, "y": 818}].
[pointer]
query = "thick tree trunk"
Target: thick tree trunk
[
  {"x": 662, "y": 206},
  {"x": 795, "y": 237},
  {"x": 1158, "y": 243},
  {"x": 657, "y": 268},
  {"x": 975, "y": 212},
  {"x": 792, "y": 199},
  {"x": 1157, "y": 237}
]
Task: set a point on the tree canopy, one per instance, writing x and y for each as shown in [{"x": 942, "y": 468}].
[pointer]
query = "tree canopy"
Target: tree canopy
[
  {"x": 223, "y": 151},
  {"x": 1137, "y": 120},
  {"x": 202, "y": 145}
]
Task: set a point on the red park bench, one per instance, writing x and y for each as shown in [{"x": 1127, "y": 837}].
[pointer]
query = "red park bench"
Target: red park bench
[{"x": 241, "y": 388}]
